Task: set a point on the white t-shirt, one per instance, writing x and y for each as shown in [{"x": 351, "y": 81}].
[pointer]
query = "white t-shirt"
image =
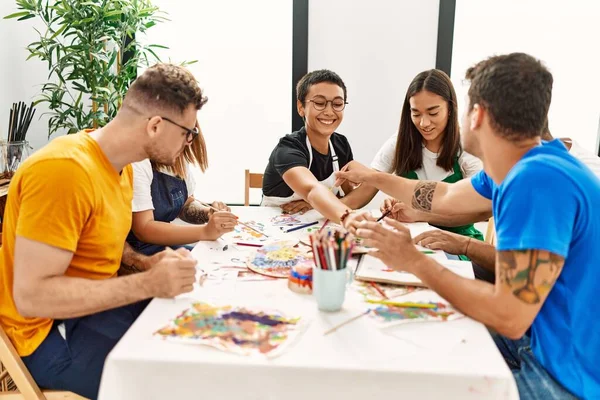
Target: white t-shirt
[
  {"x": 142, "y": 180},
  {"x": 384, "y": 161},
  {"x": 591, "y": 160}
]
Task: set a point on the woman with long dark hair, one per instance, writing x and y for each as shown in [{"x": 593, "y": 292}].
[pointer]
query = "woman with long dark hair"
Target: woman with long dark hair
[{"x": 427, "y": 145}]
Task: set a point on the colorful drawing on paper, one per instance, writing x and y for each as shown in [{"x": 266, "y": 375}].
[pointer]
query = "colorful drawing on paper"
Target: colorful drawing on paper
[
  {"x": 369, "y": 290},
  {"x": 240, "y": 330},
  {"x": 243, "y": 234},
  {"x": 284, "y": 220},
  {"x": 387, "y": 315},
  {"x": 277, "y": 258}
]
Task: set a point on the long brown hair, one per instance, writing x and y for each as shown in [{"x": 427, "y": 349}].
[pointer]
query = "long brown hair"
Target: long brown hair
[
  {"x": 195, "y": 154},
  {"x": 409, "y": 145}
]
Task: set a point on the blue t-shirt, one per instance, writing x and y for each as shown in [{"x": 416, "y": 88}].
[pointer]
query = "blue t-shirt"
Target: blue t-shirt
[{"x": 551, "y": 201}]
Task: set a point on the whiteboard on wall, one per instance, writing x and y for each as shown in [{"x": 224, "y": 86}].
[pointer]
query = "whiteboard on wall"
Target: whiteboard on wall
[
  {"x": 377, "y": 47},
  {"x": 564, "y": 37},
  {"x": 244, "y": 53}
]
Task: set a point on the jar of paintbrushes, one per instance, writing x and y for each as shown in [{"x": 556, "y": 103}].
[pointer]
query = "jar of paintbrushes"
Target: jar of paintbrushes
[{"x": 16, "y": 148}]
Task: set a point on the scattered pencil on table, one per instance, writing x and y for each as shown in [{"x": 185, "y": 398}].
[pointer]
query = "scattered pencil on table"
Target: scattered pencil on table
[
  {"x": 403, "y": 304},
  {"x": 379, "y": 290},
  {"x": 331, "y": 250},
  {"x": 248, "y": 244},
  {"x": 296, "y": 228},
  {"x": 335, "y": 328}
]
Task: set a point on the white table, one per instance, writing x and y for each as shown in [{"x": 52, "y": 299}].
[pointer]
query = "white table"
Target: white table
[{"x": 450, "y": 360}]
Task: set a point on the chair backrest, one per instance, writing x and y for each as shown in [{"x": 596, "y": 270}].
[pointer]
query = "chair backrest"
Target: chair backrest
[
  {"x": 253, "y": 181},
  {"x": 490, "y": 234},
  {"x": 17, "y": 370}
]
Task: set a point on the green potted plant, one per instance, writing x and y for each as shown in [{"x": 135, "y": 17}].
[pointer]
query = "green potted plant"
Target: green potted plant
[{"x": 93, "y": 54}]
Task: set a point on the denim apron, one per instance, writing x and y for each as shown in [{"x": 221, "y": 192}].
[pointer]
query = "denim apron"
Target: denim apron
[
  {"x": 271, "y": 201},
  {"x": 465, "y": 230},
  {"x": 169, "y": 194}
]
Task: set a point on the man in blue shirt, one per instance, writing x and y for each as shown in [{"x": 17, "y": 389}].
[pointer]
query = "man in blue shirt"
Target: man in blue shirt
[{"x": 545, "y": 204}]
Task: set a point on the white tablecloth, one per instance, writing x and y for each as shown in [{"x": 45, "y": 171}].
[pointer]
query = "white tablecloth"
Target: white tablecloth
[{"x": 449, "y": 360}]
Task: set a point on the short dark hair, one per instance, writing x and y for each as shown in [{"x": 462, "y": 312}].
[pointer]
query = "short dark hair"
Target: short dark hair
[
  {"x": 166, "y": 86},
  {"x": 318, "y": 76},
  {"x": 409, "y": 144},
  {"x": 516, "y": 90}
]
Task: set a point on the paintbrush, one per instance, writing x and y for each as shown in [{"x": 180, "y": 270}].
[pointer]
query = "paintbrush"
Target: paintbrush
[
  {"x": 335, "y": 328},
  {"x": 239, "y": 222},
  {"x": 385, "y": 214}
]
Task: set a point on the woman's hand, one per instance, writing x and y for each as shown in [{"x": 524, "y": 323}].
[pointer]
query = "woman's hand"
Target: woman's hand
[
  {"x": 219, "y": 223},
  {"x": 219, "y": 205},
  {"x": 355, "y": 173}
]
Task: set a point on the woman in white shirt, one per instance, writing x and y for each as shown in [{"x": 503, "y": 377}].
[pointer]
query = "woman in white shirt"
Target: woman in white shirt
[
  {"x": 427, "y": 146},
  {"x": 162, "y": 193}
]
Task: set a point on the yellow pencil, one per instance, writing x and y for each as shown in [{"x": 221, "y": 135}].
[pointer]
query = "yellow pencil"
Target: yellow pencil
[{"x": 400, "y": 304}]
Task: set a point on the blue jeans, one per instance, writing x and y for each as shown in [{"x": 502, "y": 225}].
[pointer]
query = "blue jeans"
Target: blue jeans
[
  {"x": 75, "y": 363},
  {"x": 533, "y": 381}
]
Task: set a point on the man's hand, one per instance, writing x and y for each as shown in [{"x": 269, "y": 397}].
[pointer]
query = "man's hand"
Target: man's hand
[
  {"x": 174, "y": 273},
  {"x": 441, "y": 240},
  {"x": 394, "y": 246},
  {"x": 219, "y": 205},
  {"x": 220, "y": 223},
  {"x": 400, "y": 211},
  {"x": 298, "y": 206},
  {"x": 353, "y": 221},
  {"x": 355, "y": 173}
]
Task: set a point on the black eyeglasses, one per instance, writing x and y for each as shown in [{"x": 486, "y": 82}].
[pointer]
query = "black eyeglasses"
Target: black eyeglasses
[
  {"x": 191, "y": 134},
  {"x": 320, "y": 103}
]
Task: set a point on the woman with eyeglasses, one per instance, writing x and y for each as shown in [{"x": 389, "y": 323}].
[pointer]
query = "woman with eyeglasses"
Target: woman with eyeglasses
[
  {"x": 162, "y": 193},
  {"x": 300, "y": 173},
  {"x": 426, "y": 147}
]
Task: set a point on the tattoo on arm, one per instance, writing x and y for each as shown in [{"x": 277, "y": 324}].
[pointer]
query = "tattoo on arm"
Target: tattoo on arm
[
  {"x": 194, "y": 213},
  {"x": 132, "y": 262},
  {"x": 423, "y": 195},
  {"x": 529, "y": 274}
]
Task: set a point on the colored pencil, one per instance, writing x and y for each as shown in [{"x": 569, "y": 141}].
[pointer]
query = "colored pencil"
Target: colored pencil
[
  {"x": 335, "y": 328},
  {"x": 401, "y": 304},
  {"x": 296, "y": 228},
  {"x": 324, "y": 225},
  {"x": 248, "y": 244},
  {"x": 376, "y": 287}
]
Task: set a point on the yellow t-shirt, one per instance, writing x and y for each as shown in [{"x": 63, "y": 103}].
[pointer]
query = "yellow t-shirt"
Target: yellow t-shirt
[{"x": 66, "y": 195}]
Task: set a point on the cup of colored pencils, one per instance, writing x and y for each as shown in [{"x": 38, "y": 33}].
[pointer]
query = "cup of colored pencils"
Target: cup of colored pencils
[
  {"x": 331, "y": 252},
  {"x": 16, "y": 148}
]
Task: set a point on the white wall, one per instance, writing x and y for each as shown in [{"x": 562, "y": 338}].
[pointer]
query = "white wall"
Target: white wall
[
  {"x": 563, "y": 35},
  {"x": 21, "y": 80},
  {"x": 244, "y": 50},
  {"x": 377, "y": 47}
]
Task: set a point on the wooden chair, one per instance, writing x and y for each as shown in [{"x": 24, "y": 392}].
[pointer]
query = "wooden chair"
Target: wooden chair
[
  {"x": 13, "y": 368},
  {"x": 490, "y": 234},
  {"x": 253, "y": 181}
]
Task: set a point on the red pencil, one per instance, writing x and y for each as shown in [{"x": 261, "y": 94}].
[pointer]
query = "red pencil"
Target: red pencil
[
  {"x": 324, "y": 225},
  {"x": 249, "y": 244},
  {"x": 381, "y": 292}
]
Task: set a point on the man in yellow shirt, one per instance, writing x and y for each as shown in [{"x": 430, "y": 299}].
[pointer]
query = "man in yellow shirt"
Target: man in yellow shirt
[{"x": 67, "y": 216}]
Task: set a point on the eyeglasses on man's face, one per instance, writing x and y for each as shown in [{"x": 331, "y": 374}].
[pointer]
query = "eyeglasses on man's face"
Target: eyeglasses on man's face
[
  {"x": 320, "y": 103},
  {"x": 191, "y": 134}
]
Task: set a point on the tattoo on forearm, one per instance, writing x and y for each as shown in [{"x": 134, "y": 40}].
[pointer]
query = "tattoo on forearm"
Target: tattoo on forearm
[
  {"x": 194, "y": 213},
  {"x": 423, "y": 195},
  {"x": 131, "y": 261},
  {"x": 529, "y": 274}
]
